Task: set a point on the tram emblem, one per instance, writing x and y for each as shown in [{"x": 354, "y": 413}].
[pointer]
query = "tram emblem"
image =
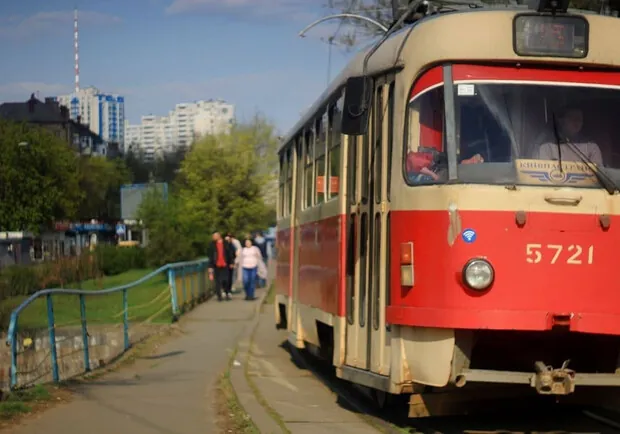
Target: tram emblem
[{"x": 548, "y": 172}]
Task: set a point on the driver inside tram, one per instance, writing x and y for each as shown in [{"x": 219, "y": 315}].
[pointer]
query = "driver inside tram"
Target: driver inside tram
[{"x": 570, "y": 130}]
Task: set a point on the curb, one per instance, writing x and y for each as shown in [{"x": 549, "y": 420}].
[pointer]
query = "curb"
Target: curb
[{"x": 244, "y": 392}]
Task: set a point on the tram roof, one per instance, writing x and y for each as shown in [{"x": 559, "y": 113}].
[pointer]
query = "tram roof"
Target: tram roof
[{"x": 388, "y": 57}]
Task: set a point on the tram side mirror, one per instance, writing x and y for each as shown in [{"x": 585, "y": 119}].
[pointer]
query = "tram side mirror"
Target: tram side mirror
[{"x": 357, "y": 98}]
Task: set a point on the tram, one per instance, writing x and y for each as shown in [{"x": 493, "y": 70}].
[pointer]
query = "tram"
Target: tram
[{"x": 449, "y": 207}]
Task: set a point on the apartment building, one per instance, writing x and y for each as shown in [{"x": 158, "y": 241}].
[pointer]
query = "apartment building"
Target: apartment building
[
  {"x": 156, "y": 135},
  {"x": 103, "y": 113}
]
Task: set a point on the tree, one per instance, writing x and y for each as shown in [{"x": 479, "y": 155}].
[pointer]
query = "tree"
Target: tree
[
  {"x": 168, "y": 240},
  {"x": 165, "y": 168},
  {"x": 350, "y": 31},
  {"x": 139, "y": 170},
  {"x": 100, "y": 183},
  {"x": 219, "y": 186},
  {"x": 39, "y": 180},
  {"x": 222, "y": 178}
]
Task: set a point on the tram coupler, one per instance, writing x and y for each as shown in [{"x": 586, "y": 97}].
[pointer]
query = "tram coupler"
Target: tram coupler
[{"x": 549, "y": 381}]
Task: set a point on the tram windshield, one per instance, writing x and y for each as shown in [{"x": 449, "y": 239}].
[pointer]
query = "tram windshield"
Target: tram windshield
[{"x": 517, "y": 133}]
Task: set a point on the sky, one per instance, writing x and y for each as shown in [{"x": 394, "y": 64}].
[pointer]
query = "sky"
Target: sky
[{"x": 158, "y": 53}]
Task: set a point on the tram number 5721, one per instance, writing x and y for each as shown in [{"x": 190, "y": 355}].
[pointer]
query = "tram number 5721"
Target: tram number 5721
[{"x": 572, "y": 254}]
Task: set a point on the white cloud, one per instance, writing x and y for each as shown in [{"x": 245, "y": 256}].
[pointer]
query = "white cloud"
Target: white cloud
[
  {"x": 297, "y": 10},
  {"x": 51, "y": 22}
]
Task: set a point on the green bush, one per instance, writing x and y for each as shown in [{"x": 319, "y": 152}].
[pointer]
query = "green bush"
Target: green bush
[
  {"x": 24, "y": 280},
  {"x": 113, "y": 260},
  {"x": 19, "y": 280}
]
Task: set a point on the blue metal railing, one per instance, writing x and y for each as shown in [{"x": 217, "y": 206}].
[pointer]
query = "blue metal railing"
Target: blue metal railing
[{"x": 184, "y": 268}]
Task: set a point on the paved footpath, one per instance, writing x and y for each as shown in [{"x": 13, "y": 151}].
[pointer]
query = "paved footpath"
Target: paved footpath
[
  {"x": 172, "y": 392},
  {"x": 303, "y": 403}
]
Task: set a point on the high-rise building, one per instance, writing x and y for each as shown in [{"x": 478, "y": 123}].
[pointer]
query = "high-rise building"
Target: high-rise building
[
  {"x": 103, "y": 113},
  {"x": 187, "y": 122}
]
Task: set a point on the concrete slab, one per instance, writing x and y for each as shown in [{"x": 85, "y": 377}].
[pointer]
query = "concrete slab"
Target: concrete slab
[{"x": 300, "y": 400}]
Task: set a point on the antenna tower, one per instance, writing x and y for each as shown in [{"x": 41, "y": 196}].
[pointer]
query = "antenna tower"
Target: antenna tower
[{"x": 76, "y": 51}]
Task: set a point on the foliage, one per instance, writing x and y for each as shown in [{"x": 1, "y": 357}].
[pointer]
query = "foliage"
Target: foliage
[
  {"x": 27, "y": 279},
  {"x": 21, "y": 401},
  {"x": 38, "y": 178},
  {"x": 163, "y": 169},
  {"x": 100, "y": 182},
  {"x": 219, "y": 187},
  {"x": 221, "y": 180},
  {"x": 113, "y": 260},
  {"x": 170, "y": 237}
]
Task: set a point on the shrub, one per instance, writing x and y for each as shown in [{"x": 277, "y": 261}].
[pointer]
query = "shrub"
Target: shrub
[{"x": 113, "y": 260}]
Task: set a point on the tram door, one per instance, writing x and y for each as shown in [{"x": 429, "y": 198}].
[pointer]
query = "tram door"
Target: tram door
[{"x": 367, "y": 249}]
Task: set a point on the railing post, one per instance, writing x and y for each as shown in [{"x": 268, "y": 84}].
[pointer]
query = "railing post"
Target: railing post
[
  {"x": 172, "y": 284},
  {"x": 183, "y": 286},
  {"x": 84, "y": 332},
  {"x": 13, "y": 335},
  {"x": 201, "y": 281},
  {"x": 191, "y": 282},
  {"x": 125, "y": 319},
  {"x": 52, "y": 331}
]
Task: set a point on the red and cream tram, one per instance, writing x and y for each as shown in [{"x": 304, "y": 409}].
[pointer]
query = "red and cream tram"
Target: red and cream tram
[{"x": 449, "y": 207}]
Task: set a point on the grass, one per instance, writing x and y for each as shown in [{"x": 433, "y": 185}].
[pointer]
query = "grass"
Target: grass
[
  {"x": 22, "y": 401},
  {"x": 102, "y": 309},
  {"x": 236, "y": 419}
]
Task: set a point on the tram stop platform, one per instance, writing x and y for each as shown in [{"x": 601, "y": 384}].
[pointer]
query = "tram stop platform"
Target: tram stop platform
[{"x": 278, "y": 392}]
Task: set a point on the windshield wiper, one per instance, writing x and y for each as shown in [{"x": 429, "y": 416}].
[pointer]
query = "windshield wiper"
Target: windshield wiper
[{"x": 603, "y": 178}]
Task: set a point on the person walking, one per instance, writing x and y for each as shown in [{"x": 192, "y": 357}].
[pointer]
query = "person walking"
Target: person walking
[
  {"x": 234, "y": 245},
  {"x": 249, "y": 261},
  {"x": 261, "y": 243},
  {"x": 221, "y": 261}
]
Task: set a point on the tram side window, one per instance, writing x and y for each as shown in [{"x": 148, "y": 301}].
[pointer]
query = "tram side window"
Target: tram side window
[
  {"x": 309, "y": 168},
  {"x": 289, "y": 181},
  {"x": 378, "y": 140},
  {"x": 335, "y": 121},
  {"x": 320, "y": 154},
  {"x": 425, "y": 160},
  {"x": 282, "y": 196},
  {"x": 390, "y": 143}
]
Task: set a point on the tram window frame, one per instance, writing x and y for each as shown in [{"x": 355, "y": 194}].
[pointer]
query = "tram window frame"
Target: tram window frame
[
  {"x": 289, "y": 180},
  {"x": 320, "y": 156},
  {"x": 282, "y": 183},
  {"x": 391, "y": 105},
  {"x": 407, "y": 133},
  {"x": 335, "y": 113},
  {"x": 309, "y": 181},
  {"x": 376, "y": 277},
  {"x": 377, "y": 135}
]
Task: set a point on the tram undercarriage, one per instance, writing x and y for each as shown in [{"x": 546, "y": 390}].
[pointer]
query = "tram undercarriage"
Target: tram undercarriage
[{"x": 553, "y": 362}]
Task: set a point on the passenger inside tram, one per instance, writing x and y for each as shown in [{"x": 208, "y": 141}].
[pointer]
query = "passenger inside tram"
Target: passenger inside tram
[
  {"x": 500, "y": 123},
  {"x": 428, "y": 163},
  {"x": 570, "y": 130}
]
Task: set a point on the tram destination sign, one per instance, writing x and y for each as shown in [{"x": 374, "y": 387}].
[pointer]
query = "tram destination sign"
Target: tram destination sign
[{"x": 549, "y": 36}]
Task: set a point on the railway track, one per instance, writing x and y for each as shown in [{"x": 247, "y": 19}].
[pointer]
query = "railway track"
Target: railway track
[{"x": 504, "y": 418}]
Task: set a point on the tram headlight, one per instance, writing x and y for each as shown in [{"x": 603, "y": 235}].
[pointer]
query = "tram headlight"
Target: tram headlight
[{"x": 478, "y": 274}]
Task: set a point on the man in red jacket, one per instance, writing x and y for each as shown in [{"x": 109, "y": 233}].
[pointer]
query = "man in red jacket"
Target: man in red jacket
[{"x": 221, "y": 261}]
